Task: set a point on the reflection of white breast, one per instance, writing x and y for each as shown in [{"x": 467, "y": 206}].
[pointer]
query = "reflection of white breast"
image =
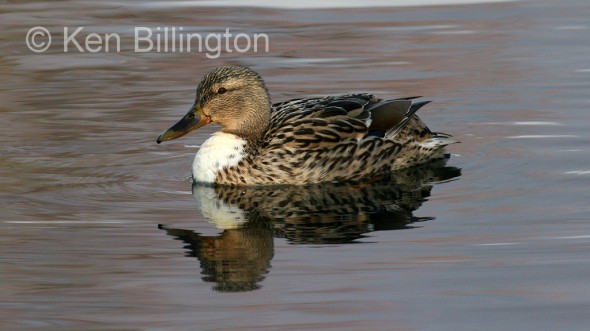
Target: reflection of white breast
[
  {"x": 219, "y": 151},
  {"x": 222, "y": 215}
]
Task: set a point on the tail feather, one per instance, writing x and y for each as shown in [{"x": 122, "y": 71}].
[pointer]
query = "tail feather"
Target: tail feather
[
  {"x": 443, "y": 139},
  {"x": 409, "y": 114},
  {"x": 409, "y": 98}
]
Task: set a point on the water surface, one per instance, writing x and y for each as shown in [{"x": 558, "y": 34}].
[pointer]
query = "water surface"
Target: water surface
[{"x": 102, "y": 230}]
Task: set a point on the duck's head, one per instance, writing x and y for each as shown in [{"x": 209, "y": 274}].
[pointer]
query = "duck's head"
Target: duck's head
[{"x": 234, "y": 97}]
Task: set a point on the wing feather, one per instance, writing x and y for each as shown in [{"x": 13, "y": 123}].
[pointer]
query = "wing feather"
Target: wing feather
[
  {"x": 319, "y": 122},
  {"x": 337, "y": 138}
]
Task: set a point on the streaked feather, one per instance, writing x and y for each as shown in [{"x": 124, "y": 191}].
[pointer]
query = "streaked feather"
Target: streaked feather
[{"x": 333, "y": 139}]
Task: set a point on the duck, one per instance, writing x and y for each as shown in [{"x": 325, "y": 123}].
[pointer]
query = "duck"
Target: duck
[{"x": 338, "y": 138}]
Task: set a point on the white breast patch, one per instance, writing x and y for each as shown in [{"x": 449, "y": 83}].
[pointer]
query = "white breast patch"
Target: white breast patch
[{"x": 221, "y": 150}]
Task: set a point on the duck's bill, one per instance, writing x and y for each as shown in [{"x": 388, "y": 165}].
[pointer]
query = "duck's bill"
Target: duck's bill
[{"x": 193, "y": 120}]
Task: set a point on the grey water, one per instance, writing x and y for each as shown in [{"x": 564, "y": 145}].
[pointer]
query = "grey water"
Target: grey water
[{"x": 102, "y": 230}]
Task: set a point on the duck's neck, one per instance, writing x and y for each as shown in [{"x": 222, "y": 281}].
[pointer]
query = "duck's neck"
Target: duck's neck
[
  {"x": 255, "y": 113},
  {"x": 252, "y": 131}
]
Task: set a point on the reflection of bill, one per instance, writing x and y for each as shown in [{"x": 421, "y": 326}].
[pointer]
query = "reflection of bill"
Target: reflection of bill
[{"x": 327, "y": 213}]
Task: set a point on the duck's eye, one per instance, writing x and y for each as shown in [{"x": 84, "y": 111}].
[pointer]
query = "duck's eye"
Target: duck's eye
[{"x": 221, "y": 90}]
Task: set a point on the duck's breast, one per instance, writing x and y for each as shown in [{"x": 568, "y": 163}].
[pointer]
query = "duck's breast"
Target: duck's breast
[{"x": 221, "y": 150}]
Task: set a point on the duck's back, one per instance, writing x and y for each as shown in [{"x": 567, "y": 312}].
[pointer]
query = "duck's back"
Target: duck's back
[{"x": 337, "y": 138}]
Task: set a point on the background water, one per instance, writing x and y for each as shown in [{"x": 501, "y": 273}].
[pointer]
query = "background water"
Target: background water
[{"x": 99, "y": 229}]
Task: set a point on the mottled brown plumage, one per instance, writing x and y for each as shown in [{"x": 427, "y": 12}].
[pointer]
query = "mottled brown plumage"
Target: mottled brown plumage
[{"x": 301, "y": 141}]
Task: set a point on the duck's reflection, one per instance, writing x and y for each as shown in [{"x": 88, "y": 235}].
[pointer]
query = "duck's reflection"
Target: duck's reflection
[{"x": 238, "y": 259}]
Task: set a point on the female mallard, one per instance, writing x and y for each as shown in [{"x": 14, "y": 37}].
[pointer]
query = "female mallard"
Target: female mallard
[{"x": 300, "y": 141}]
